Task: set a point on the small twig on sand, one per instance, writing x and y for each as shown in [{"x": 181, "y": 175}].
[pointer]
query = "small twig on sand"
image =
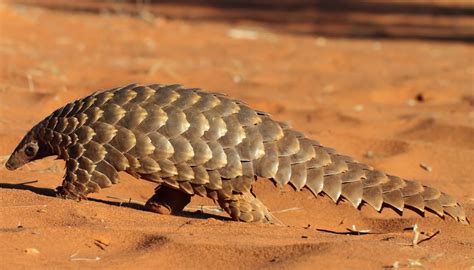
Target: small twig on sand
[
  {"x": 351, "y": 231},
  {"x": 426, "y": 167},
  {"x": 101, "y": 244},
  {"x": 129, "y": 201},
  {"x": 211, "y": 208},
  {"x": 429, "y": 237},
  {"x": 27, "y": 183},
  {"x": 74, "y": 257},
  {"x": 286, "y": 210},
  {"x": 354, "y": 229},
  {"x": 416, "y": 236}
]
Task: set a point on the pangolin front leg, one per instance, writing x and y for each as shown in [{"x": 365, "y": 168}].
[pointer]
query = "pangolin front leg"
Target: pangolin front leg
[{"x": 195, "y": 143}]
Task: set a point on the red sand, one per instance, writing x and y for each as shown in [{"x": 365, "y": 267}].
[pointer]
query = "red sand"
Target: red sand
[{"x": 354, "y": 95}]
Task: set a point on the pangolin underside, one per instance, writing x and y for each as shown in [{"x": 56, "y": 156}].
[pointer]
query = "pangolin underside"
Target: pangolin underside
[{"x": 193, "y": 142}]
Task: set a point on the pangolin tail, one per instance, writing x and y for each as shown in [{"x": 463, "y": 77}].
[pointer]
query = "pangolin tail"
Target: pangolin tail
[
  {"x": 303, "y": 162},
  {"x": 359, "y": 183}
]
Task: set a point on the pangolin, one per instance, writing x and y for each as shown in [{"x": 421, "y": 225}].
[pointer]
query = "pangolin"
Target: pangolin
[{"x": 192, "y": 142}]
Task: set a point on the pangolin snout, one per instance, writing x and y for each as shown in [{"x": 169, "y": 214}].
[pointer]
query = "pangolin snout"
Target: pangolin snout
[{"x": 11, "y": 164}]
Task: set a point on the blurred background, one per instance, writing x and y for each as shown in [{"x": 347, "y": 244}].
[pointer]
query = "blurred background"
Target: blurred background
[{"x": 420, "y": 19}]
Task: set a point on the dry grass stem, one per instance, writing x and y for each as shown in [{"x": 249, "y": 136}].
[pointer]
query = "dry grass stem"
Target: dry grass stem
[
  {"x": 287, "y": 210},
  {"x": 211, "y": 208},
  {"x": 416, "y": 236},
  {"x": 74, "y": 257},
  {"x": 426, "y": 167},
  {"x": 121, "y": 200}
]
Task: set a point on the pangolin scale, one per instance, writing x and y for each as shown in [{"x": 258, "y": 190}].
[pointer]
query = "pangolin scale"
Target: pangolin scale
[{"x": 191, "y": 142}]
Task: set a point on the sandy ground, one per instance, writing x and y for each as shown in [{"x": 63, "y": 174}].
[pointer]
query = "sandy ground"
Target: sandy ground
[{"x": 392, "y": 104}]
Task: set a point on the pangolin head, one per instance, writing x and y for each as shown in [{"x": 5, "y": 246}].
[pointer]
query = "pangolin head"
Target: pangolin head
[{"x": 29, "y": 149}]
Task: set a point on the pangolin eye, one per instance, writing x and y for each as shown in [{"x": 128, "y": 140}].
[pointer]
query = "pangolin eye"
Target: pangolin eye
[{"x": 29, "y": 151}]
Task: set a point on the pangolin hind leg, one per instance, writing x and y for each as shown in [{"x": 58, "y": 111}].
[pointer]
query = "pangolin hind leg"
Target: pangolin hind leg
[
  {"x": 167, "y": 200},
  {"x": 247, "y": 208}
]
